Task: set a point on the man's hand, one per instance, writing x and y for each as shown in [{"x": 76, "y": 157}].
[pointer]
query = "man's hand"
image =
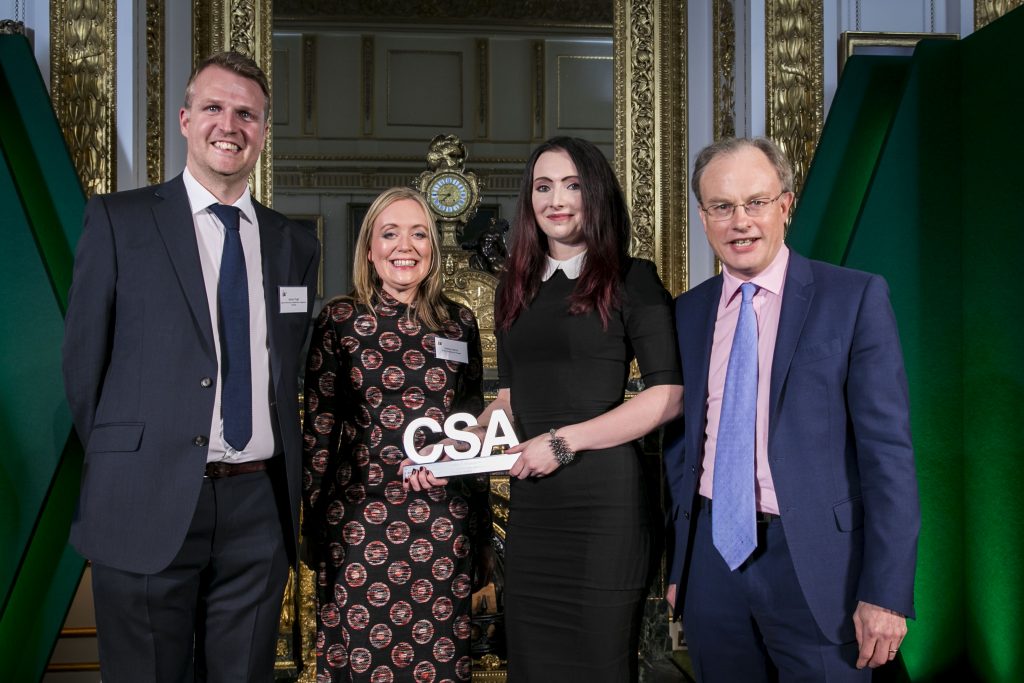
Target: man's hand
[
  {"x": 670, "y": 596},
  {"x": 880, "y": 632}
]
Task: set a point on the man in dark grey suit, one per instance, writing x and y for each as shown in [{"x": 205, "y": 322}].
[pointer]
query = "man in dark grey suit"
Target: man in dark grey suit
[{"x": 187, "y": 314}]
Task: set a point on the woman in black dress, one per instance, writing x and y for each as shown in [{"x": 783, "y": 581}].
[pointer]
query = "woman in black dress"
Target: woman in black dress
[
  {"x": 572, "y": 311},
  {"x": 393, "y": 566}
]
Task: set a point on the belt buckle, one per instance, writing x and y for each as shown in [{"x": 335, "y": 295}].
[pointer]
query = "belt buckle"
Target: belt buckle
[{"x": 217, "y": 470}]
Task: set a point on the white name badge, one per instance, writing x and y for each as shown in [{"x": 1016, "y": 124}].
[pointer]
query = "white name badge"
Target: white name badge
[
  {"x": 451, "y": 349},
  {"x": 293, "y": 299}
]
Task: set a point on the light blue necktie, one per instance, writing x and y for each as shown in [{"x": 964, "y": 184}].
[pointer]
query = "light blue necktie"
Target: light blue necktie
[
  {"x": 233, "y": 305},
  {"x": 733, "y": 522}
]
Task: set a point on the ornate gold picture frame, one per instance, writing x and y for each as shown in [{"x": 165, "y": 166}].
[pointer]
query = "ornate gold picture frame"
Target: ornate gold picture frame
[{"x": 882, "y": 43}]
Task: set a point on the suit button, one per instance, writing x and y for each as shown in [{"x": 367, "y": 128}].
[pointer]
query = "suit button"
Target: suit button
[
  {"x": 206, "y": 383},
  {"x": 199, "y": 441},
  {"x": 693, "y": 468},
  {"x": 686, "y": 515}
]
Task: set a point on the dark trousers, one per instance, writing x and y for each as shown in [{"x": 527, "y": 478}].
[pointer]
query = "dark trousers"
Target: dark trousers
[
  {"x": 211, "y": 615},
  {"x": 753, "y": 624}
]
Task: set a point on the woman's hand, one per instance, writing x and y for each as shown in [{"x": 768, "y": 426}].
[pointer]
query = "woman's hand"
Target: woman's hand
[
  {"x": 422, "y": 479},
  {"x": 536, "y": 459}
]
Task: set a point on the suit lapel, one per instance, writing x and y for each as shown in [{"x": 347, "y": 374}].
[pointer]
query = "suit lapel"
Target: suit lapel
[
  {"x": 275, "y": 253},
  {"x": 173, "y": 218},
  {"x": 706, "y": 315},
  {"x": 796, "y": 302}
]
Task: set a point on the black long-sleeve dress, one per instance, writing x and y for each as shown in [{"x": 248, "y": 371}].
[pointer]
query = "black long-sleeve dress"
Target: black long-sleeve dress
[
  {"x": 395, "y": 579},
  {"x": 579, "y": 542}
]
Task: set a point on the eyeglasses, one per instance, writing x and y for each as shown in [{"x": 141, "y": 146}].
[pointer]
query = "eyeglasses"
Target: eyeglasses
[{"x": 755, "y": 208}]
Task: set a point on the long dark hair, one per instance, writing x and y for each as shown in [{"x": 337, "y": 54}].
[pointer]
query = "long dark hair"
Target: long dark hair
[{"x": 605, "y": 228}]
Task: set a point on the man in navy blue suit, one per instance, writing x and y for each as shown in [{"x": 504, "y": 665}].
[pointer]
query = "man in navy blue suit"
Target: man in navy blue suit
[
  {"x": 189, "y": 307},
  {"x": 823, "y": 585}
]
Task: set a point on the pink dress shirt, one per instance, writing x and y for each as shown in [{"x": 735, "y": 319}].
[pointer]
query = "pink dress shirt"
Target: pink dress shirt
[{"x": 767, "y": 306}]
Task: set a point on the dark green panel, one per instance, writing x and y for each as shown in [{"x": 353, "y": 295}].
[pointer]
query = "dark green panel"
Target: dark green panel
[
  {"x": 851, "y": 140},
  {"x": 991, "y": 222},
  {"x": 35, "y": 148},
  {"x": 40, "y": 466},
  {"x": 35, "y": 421},
  {"x": 909, "y": 232}
]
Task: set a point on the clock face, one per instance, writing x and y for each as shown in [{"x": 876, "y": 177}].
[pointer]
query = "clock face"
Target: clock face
[{"x": 449, "y": 195}]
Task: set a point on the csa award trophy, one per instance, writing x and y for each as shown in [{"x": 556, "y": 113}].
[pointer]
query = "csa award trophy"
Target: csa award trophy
[{"x": 468, "y": 455}]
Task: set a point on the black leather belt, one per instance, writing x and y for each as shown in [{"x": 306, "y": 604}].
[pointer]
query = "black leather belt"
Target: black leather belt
[
  {"x": 221, "y": 469},
  {"x": 762, "y": 517}
]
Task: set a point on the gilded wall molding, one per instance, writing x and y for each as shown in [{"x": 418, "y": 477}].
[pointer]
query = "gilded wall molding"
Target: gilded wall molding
[
  {"x": 247, "y": 27},
  {"x": 336, "y": 179},
  {"x": 723, "y": 75},
  {"x": 483, "y": 87},
  {"x": 154, "y": 91},
  {"x": 987, "y": 11},
  {"x": 537, "y": 103},
  {"x": 366, "y": 90},
  {"x": 309, "y": 93},
  {"x": 641, "y": 155},
  {"x": 572, "y": 12},
  {"x": 83, "y": 73},
  {"x": 794, "y": 78},
  {"x": 650, "y": 130}
]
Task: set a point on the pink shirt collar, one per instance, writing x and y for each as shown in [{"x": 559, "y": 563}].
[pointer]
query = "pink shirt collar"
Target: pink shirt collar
[{"x": 771, "y": 278}]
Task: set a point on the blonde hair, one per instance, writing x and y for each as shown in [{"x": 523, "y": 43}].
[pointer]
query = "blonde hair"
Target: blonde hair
[{"x": 429, "y": 305}]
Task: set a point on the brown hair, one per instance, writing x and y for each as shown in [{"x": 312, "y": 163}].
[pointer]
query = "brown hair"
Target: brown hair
[
  {"x": 729, "y": 145},
  {"x": 605, "y": 231},
  {"x": 238, "y": 63},
  {"x": 429, "y": 305}
]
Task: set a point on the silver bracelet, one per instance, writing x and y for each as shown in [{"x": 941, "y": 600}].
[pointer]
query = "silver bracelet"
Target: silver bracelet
[{"x": 563, "y": 454}]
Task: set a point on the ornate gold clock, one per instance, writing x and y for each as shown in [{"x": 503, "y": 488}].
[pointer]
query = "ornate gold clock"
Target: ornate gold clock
[{"x": 452, "y": 193}]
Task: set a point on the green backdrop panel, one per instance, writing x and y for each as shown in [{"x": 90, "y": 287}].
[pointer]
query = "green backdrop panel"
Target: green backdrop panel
[
  {"x": 41, "y": 464},
  {"x": 991, "y": 222}
]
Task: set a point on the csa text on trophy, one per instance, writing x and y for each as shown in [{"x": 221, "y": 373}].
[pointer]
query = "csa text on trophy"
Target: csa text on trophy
[{"x": 468, "y": 454}]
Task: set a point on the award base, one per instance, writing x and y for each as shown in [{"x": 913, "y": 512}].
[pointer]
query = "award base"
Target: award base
[{"x": 457, "y": 468}]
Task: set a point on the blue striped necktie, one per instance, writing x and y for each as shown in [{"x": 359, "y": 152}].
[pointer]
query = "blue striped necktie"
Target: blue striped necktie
[
  {"x": 233, "y": 306},
  {"x": 733, "y": 517}
]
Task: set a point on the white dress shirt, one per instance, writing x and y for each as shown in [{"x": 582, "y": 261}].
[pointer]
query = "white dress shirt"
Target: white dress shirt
[{"x": 210, "y": 235}]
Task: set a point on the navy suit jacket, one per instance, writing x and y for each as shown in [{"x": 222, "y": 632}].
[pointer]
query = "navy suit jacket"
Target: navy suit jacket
[
  {"x": 138, "y": 363},
  {"x": 839, "y": 445}
]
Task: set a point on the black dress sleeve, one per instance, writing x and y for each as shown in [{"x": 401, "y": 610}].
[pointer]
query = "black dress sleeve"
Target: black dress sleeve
[
  {"x": 326, "y": 367},
  {"x": 647, "y": 312}
]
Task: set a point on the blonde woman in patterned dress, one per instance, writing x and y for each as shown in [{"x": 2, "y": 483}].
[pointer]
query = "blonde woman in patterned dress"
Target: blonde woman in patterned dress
[{"x": 393, "y": 566}]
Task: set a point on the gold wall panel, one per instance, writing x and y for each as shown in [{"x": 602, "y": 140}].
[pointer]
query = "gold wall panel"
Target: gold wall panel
[
  {"x": 987, "y": 11},
  {"x": 723, "y": 23},
  {"x": 483, "y": 87},
  {"x": 650, "y": 130},
  {"x": 154, "y": 91},
  {"x": 366, "y": 92},
  {"x": 245, "y": 26},
  {"x": 537, "y": 103},
  {"x": 309, "y": 92},
  {"x": 83, "y": 72},
  {"x": 794, "y": 78},
  {"x": 573, "y": 13}
]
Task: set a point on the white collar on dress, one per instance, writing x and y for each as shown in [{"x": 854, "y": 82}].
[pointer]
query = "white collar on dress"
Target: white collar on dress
[{"x": 571, "y": 266}]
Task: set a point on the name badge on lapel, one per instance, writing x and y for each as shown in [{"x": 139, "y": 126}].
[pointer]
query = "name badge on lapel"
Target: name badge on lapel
[
  {"x": 451, "y": 349},
  {"x": 293, "y": 299}
]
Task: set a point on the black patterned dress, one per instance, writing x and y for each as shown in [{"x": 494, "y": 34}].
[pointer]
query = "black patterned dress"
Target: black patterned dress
[{"x": 395, "y": 566}]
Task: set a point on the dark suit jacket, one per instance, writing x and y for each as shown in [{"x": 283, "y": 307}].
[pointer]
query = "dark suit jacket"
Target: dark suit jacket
[
  {"x": 138, "y": 356},
  {"x": 839, "y": 445}
]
